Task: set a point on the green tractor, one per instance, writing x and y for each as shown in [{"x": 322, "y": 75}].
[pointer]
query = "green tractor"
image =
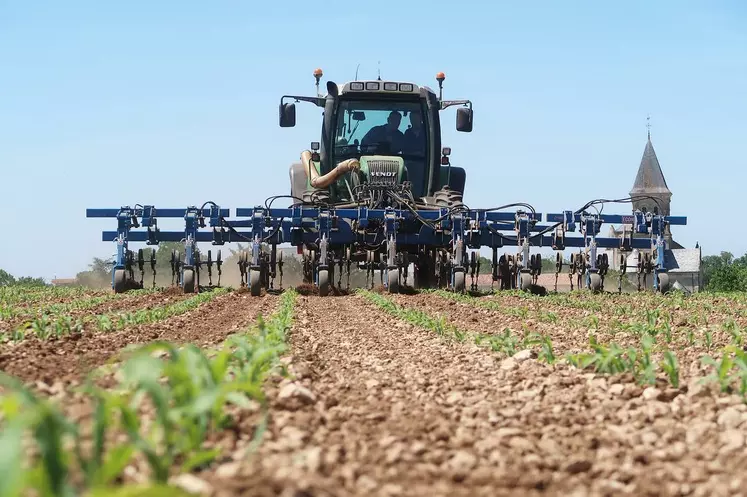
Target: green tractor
[
  {"x": 380, "y": 148},
  {"x": 363, "y": 123}
]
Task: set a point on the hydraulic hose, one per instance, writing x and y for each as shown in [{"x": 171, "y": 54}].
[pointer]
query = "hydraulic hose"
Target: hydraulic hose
[{"x": 318, "y": 181}]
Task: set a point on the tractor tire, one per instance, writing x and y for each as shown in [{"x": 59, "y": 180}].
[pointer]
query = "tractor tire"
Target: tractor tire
[
  {"x": 446, "y": 197},
  {"x": 120, "y": 281},
  {"x": 323, "y": 282},
  {"x": 595, "y": 282},
  {"x": 255, "y": 282},
  {"x": 459, "y": 285},
  {"x": 188, "y": 280}
]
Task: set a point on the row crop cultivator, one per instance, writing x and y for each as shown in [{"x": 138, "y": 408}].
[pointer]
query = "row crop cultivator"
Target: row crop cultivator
[{"x": 371, "y": 196}]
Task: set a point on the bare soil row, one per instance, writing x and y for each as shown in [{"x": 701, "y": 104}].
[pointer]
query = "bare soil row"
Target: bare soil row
[
  {"x": 381, "y": 407},
  {"x": 71, "y": 357}
]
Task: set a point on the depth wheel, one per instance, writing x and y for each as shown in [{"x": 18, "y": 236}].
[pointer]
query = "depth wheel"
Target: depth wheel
[
  {"x": 392, "y": 280},
  {"x": 459, "y": 282},
  {"x": 255, "y": 282},
  {"x": 323, "y": 282},
  {"x": 189, "y": 281},
  {"x": 120, "y": 281},
  {"x": 526, "y": 281},
  {"x": 663, "y": 282},
  {"x": 595, "y": 282}
]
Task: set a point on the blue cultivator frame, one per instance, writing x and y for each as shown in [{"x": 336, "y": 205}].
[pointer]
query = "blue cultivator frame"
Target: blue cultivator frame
[
  {"x": 423, "y": 248},
  {"x": 184, "y": 272}
]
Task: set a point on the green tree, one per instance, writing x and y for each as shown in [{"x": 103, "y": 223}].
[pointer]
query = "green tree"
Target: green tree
[
  {"x": 6, "y": 279},
  {"x": 728, "y": 278}
]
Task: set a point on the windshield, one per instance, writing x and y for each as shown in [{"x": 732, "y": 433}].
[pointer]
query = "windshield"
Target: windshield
[{"x": 383, "y": 128}]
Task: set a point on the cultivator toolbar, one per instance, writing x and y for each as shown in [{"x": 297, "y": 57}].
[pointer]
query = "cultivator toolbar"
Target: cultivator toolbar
[
  {"x": 422, "y": 249},
  {"x": 371, "y": 195}
]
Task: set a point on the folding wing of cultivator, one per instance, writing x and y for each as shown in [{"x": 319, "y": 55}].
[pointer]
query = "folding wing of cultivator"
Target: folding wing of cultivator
[{"x": 373, "y": 196}]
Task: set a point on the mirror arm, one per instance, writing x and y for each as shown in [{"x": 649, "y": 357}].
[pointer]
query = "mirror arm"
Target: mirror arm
[
  {"x": 448, "y": 103},
  {"x": 318, "y": 101}
]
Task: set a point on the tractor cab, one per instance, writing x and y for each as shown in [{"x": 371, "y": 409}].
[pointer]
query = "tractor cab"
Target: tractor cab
[{"x": 391, "y": 128}]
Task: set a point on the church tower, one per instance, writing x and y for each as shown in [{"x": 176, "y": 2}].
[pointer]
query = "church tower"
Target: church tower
[{"x": 650, "y": 182}]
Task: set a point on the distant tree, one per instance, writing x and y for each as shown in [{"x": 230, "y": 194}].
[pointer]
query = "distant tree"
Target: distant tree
[
  {"x": 711, "y": 263},
  {"x": 6, "y": 279},
  {"x": 728, "y": 278},
  {"x": 29, "y": 281}
]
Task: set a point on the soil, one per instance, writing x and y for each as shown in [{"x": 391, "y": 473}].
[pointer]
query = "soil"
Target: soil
[
  {"x": 378, "y": 406},
  {"x": 386, "y": 408},
  {"x": 70, "y": 357},
  {"x": 120, "y": 304}
]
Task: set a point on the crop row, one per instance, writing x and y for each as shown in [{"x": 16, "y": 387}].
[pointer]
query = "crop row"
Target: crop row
[
  {"x": 167, "y": 402},
  {"x": 649, "y": 358},
  {"x": 44, "y": 327}
]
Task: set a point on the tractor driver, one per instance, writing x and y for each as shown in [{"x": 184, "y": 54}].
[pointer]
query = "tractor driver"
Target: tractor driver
[
  {"x": 414, "y": 142},
  {"x": 386, "y": 138}
]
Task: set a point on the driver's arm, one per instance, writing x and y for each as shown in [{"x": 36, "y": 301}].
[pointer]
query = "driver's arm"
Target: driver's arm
[{"x": 370, "y": 137}]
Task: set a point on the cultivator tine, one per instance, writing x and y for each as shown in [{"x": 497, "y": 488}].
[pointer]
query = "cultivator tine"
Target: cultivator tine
[
  {"x": 623, "y": 271},
  {"x": 280, "y": 269},
  {"x": 273, "y": 265},
  {"x": 340, "y": 263},
  {"x": 153, "y": 265},
  {"x": 474, "y": 271},
  {"x": 494, "y": 269},
  {"x": 210, "y": 267},
  {"x": 197, "y": 264},
  {"x": 141, "y": 265},
  {"x": 349, "y": 261},
  {"x": 174, "y": 267},
  {"x": 243, "y": 263}
]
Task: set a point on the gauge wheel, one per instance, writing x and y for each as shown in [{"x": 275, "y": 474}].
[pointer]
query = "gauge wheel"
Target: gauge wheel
[
  {"x": 188, "y": 280},
  {"x": 323, "y": 280},
  {"x": 120, "y": 281}
]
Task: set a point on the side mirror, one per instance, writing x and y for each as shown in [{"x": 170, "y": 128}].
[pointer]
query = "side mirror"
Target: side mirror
[
  {"x": 287, "y": 115},
  {"x": 464, "y": 119},
  {"x": 359, "y": 115}
]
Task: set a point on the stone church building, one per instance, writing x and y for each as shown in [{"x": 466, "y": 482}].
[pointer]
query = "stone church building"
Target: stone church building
[{"x": 684, "y": 263}]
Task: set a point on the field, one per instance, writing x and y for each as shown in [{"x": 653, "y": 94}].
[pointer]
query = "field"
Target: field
[{"x": 372, "y": 394}]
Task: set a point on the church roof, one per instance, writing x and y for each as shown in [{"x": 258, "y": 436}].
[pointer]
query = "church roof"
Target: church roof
[{"x": 650, "y": 179}]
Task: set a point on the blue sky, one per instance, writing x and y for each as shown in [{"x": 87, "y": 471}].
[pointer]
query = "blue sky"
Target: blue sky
[{"x": 175, "y": 103}]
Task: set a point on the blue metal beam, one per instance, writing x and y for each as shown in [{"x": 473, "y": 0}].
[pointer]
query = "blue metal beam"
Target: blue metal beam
[
  {"x": 616, "y": 219},
  {"x": 174, "y": 213}
]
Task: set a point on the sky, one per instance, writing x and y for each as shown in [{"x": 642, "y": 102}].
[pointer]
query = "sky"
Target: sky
[{"x": 104, "y": 104}]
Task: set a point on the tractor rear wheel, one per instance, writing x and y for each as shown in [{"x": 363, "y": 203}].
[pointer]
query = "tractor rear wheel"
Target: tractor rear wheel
[
  {"x": 189, "y": 281},
  {"x": 120, "y": 281}
]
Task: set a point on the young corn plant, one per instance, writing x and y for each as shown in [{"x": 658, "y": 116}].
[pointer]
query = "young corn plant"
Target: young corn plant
[
  {"x": 671, "y": 368},
  {"x": 721, "y": 371},
  {"x": 439, "y": 324},
  {"x": 187, "y": 389}
]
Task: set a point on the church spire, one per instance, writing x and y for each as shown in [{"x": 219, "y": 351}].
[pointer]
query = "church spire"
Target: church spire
[{"x": 650, "y": 179}]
